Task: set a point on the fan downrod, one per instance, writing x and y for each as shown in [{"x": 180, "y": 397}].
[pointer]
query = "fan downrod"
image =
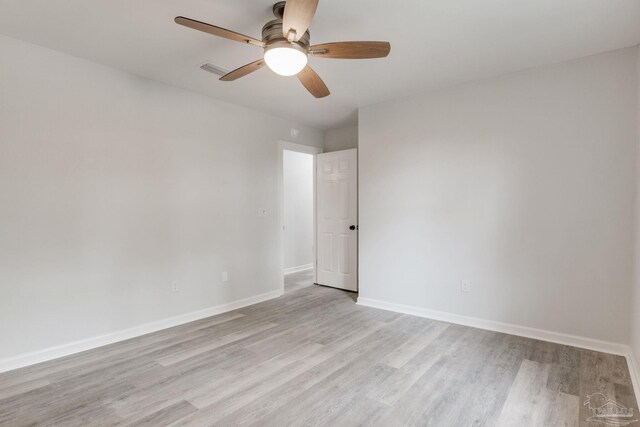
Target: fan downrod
[{"x": 278, "y": 9}]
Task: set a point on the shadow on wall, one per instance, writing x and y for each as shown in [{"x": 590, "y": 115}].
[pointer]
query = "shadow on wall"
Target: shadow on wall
[{"x": 344, "y": 138}]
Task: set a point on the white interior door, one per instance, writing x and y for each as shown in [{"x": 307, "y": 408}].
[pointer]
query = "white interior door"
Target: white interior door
[{"x": 337, "y": 219}]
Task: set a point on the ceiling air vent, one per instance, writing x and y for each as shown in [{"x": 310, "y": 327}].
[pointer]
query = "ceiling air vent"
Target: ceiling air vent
[{"x": 214, "y": 69}]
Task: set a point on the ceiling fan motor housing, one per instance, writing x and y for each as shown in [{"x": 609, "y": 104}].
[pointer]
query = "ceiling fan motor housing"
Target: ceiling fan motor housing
[{"x": 272, "y": 37}]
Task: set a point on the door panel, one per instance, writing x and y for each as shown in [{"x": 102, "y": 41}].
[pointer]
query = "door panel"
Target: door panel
[
  {"x": 337, "y": 183},
  {"x": 326, "y": 263}
]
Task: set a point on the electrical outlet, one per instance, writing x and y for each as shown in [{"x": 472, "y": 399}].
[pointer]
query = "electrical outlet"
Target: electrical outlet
[
  {"x": 174, "y": 287},
  {"x": 465, "y": 286},
  {"x": 225, "y": 276}
]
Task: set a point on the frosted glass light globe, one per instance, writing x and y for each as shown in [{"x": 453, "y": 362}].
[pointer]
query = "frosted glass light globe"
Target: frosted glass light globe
[{"x": 285, "y": 61}]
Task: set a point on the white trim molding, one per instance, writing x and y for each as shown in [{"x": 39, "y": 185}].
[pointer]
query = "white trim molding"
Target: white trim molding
[
  {"x": 298, "y": 269},
  {"x": 50, "y": 353},
  {"x": 506, "y": 328}
]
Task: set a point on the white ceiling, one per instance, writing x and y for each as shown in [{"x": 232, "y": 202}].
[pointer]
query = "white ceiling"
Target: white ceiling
[{"x": 433, "y": 43}]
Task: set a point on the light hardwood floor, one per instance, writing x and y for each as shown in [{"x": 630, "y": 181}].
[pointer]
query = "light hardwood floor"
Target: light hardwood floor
[
  {"x": 313, "y": 357},
  {"x": 296, "y": 281}
]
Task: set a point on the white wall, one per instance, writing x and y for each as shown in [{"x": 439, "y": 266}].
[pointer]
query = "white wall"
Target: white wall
[
  {"x": 343, "y": 138},
  {"x": 523, "y": 185},
  {"x": 112, "y": 186},
  {"x": 298, "y": 209}
]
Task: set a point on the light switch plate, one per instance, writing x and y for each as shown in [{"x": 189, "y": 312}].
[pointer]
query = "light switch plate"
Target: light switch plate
[{"x": 465, "y": 286}]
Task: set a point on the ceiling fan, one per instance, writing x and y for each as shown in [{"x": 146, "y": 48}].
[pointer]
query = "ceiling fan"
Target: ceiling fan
[{"x": 286, "y": 44}]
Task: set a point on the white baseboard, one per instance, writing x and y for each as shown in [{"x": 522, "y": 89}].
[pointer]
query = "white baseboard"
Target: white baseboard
[
  {"x": 298, "y": 268},
  {"x": 507, "y": 328},
  {"x": 634, "y": 370},
  {"x": 110, "y": 338}
]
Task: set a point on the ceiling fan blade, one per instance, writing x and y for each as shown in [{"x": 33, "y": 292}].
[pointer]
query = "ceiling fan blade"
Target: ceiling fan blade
[
  {"x": 217, "y": 31},
  {"x": 243, "y": 71},
  {"x": 297, "y": 17},
  {"x": 313, "y": 82},
  {"x": 351, "y": 50}
]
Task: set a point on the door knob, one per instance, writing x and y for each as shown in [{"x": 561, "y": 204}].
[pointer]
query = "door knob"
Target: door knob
[{"x": 353, "y": 227}]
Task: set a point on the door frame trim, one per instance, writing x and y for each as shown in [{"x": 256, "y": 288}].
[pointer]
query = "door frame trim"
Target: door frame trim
[{"x": 299, "y": 148}]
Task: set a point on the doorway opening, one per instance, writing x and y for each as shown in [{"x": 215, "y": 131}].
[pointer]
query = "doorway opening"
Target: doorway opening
[
  {"x": 298, "y": 231},
  {"x": 297, "y": 215},
  {"x": 318, "y": 198}
]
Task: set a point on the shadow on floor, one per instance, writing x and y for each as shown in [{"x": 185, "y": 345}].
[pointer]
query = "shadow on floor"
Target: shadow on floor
[{"x": 302, "y": 279}]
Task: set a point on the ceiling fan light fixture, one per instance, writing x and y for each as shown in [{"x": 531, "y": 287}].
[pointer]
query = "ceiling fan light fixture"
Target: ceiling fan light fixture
[{"x": 285, "y": 60}]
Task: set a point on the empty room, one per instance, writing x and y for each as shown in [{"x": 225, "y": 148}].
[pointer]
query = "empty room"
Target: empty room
[{"x": 320, "y": 213}]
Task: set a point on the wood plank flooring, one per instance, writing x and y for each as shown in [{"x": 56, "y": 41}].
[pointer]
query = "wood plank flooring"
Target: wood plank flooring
[{"x": 313, "y": 357}]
